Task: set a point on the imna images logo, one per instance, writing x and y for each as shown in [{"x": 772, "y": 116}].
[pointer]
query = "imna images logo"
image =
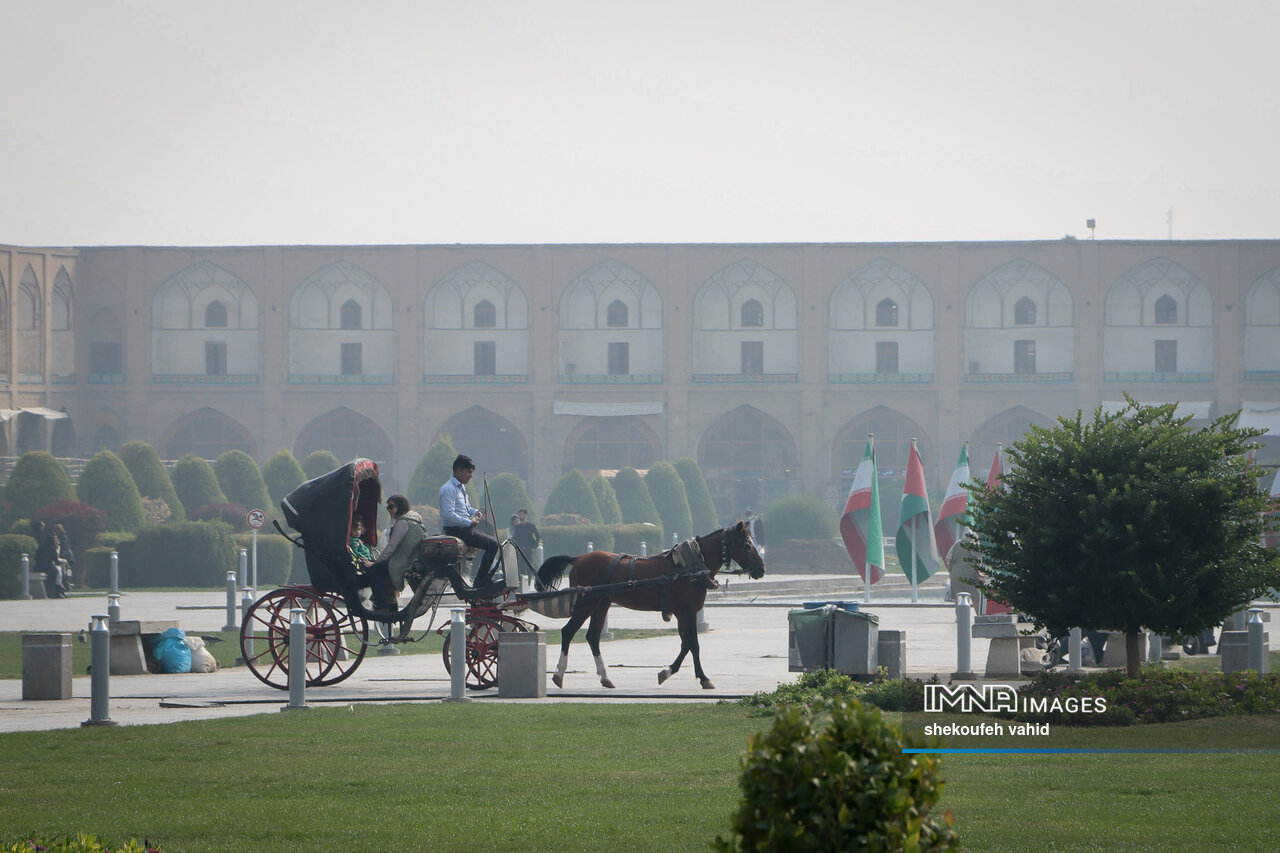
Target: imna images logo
[{"x": 997, "y": 698}]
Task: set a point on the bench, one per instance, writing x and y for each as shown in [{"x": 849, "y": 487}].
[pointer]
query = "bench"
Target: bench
[
  {"x": 35, "y": 584},
  {"x": 131, "y": 642}
]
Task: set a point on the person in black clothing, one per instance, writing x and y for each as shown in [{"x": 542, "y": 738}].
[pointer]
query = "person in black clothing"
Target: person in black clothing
[
  {"x": 526, "y": 536},
  {"x": 47, "y": 559}
]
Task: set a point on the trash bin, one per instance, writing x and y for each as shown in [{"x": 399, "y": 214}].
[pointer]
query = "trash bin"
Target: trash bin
[
  {"x": 46, "y": 666},
  {"x": 808, "y": 639},
  {"x": 854, "y": 641},
  {"x": 522, "y": 665}
]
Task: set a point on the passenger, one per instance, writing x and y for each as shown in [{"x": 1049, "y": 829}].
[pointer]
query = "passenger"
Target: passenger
[
  {"x": 386, "y": 573},
  {"x": 459, "y": 518},
  {"x": 359, "y": 551}
]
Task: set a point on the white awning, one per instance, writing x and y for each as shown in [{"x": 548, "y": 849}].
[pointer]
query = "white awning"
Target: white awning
[
  {"x": 1260, "y": 416},
  {"x": 1197, "y": 410},
  {"x": 39, "y": 411},
  {"x": 607, "y": 410}
]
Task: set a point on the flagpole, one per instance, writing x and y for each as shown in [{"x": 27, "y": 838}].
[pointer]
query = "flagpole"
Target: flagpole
[
  {"x": 915, "y": 555},
  {"x": 866, "y": 565}
]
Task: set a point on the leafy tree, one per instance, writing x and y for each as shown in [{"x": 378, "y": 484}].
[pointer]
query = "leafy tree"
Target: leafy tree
[
  {"x": 195, "y": 483},
  {"x": 573, "y": 494},
  {"x": 282, "y": 474},
  {"x": 241, "y": 480},
  {"x": 800, "y": 517},
  {"x": 701, "y": 507},
  {"x": 1127, "y": 521},
  {"x": 106, "y": 484},
  {"x": 150, "y": 476},
  {"x": 667, "y": 491},
  {"x": 606, "y": 499},
  {"x": 509, "y": 496},
  {"x": 36, "y": 481},
  {"x": 633, "y": 498},
  {"x": 319, "y": 462}
]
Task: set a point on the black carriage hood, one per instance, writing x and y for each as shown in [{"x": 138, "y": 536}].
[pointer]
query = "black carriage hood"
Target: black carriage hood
[{"x": 321, "y": 510}]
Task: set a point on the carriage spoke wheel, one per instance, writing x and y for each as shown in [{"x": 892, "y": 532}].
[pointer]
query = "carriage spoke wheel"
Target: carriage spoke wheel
[
  {"x": 481, "y": 653},
  {"x": 335, "y": 639}
]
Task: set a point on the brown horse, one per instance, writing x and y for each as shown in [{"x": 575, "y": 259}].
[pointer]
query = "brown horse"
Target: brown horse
[{"x": 675, "y": 582}]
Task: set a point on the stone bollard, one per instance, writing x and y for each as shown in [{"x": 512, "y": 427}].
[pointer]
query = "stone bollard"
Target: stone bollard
[
  {"x": 458, "y": 656},
  {"x": 703, "y": 625},
  {"x": 113, "y": 607},
  {"x": 26, "y": 578},
  {"x": 1075, "y": 657},
  {"x": 246, "y": 630},
  {"x": 297, "y": 653},
  {"x": 231, "y": 602},
  {"x": 100, "y": 687},
  {"x": 675, "y": 539},
  {"x": 115, "y": 573},
  {"x": 1259, "y": 660},
  {"x": 891, "y": 653},
  {"x": 522, "y": 663},
  {"x": 541, "y": 555},
  {"x": 244, "y": 567},
  {"x": 591, "y": 546},
  {"x": 644, "y": 549},
  {"x": 1234, "y": 648},
  {"x": 1155, "y": 647},
  {"x": 964, "y": 638},
  {"x": 46, "y": 666}
]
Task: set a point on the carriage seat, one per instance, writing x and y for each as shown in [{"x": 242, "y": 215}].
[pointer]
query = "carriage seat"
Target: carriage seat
[{"x": 445, "y": 547}]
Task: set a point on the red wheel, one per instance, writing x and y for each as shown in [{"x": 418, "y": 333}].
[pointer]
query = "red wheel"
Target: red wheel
[
  {"x": 335, "y": 639},
  {"x": 481, "y": 653}
]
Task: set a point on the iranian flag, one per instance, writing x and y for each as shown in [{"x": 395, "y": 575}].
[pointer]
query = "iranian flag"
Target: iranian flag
[
  {"x": 860, "y": 524},
  {"x": 917, "y": 552},
  {"x": 952, "y": 515},
  {"x": 1271, "y": 539},
  {"x": 997, "y": 469}
]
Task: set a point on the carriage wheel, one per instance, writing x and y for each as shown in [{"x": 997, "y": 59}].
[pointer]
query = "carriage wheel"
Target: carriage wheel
[
  {"x": 335, "y": 639},
  {"x": 481, "y": 652}
]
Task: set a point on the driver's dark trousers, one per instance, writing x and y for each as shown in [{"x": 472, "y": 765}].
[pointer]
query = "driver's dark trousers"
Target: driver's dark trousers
[{"x": 476, "y": 539}]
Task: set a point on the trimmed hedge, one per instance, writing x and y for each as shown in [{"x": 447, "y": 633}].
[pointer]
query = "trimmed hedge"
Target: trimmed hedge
[
  {"x": 573, "y": 494},
  {"x": 37, "y": 480},
  {"x": 701, "y": 507},
  {"x": 509, "y": 496},
  {"x": 633, "y": 498},
  {"x": 433, "y": 471},
  {"x": 11, "y": 550},
  {"x": 282, "y": 473},
  {"x": 107, "y": 484},
  {"x": 627, "y": 538},
  {"x": 319, "y": 462},
  {"x": 572, "y": 540},
  {"x": 606, "y": 499},
  {"x": 801, "y": 517},
  {"x": 150, "y": 477},
  {"x": 667, "y": 490},
  {"x": 194, "y": 481},
  {"x": 275, "y": 557},
  {"x": 193, "y": 553},
  {"x": 241, "y": 480}
]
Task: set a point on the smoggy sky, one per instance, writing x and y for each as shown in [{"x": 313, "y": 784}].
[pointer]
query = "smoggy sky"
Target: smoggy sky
[{"x": 327, "y": 122}]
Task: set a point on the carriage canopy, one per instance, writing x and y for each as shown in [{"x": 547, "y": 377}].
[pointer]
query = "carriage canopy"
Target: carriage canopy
[{"x": 321, "y": 510}]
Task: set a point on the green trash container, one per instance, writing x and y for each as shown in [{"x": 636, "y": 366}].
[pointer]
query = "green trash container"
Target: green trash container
[
  {"x": 808, "y": 639},
  {"x": 854, "y": 641}
]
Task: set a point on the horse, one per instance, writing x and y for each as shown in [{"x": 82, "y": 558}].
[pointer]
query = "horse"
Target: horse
[{"x": 674, "y": 582}]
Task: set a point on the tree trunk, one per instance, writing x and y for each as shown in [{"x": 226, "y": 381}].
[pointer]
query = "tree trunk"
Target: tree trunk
[{"x": 1133, "y": 651}]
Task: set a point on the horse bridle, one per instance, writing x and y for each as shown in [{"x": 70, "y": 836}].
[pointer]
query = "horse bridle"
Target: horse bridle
[{"x": 724, "y": 553}]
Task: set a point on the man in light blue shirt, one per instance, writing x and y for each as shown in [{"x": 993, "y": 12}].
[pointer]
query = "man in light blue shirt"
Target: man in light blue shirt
[{"x": 459, "y": 518}]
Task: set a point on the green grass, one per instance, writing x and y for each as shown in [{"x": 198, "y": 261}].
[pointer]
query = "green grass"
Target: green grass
[
  {"x": 585, "y": 777},
  {"x": 1213, "y": 663}
]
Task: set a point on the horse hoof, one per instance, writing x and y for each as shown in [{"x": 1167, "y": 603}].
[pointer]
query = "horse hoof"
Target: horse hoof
[
  {"x": 664, "y": 675},
  {"x": 607, "y": 683},
  {"x": 558, "y": 680},
  {"x": 707, "y": 685}
]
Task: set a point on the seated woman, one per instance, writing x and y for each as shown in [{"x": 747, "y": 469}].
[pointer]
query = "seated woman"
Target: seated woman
[{"x": 386, "y": 573}]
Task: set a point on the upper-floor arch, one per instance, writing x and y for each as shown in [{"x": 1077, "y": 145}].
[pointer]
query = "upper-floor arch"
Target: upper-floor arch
[
  {"x": 476, "y": 295},
  {"x": 1159, "y": 292},
  {"x": 745, "y": 326},
  {"x": 1262, "y": 329},
  {"x": 204, "y": 328},
  {"x": 610, "y": 295},
  {"x": 881, "y": 295},
  {"x": 1158, "y": 326},
  {"x": 1018, "y": 294},
  {"x": 204, "y": 291},
  {"x": 719, "y": 302},
  {"x": 477, "y": 328}
]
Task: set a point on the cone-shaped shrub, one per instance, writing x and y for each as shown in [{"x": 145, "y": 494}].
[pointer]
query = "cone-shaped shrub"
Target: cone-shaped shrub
[
  {"x": 106, "y": 484},
  {"x": 150, "y": 477},
  {"x": 667, "y": 491},
  {"x": 701, "y": 507},
  {"x": 633, "y": 498},
  {"x": 573, "y": 494},
  {"x": 801, "y": 517},
  {"x": 606, "y": 499},
  {"x": 509, "y": 497},
  {"x": 195, "y": 483},
  {"x": 282, "y": 474},
  {"x": 36, "y": 481},
  {"x": 433, "y": 471},
  {"x": 241, "y": 480},
  {"x": 319, "y": 462}
]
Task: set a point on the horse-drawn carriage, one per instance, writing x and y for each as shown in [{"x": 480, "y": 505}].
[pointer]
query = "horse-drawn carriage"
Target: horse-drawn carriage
[{"x": 338, "y": 608}]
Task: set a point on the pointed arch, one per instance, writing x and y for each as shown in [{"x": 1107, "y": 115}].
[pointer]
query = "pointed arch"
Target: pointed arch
[
  {"x": 30, "y": 302},
  {"x": 893, "y": 431},
  {"x": 206, "y": 432},
  {"x": 4, "y": 334},
  {"x": 1158, "y": 325},
  {"x": 1003, "y": 428},
  {"x": 993, "y": 301},
  {"x": 181, "y": 302},
  {"x": 881, "y": 326},
  {"x": 320, "y": 300},
  {"x": 587, "y": 301},
  {"x": 611, "y": 327},
  {"x": 1262, "y": 329},
  {"x": 62, "y": 318},
  {"x": 748, "y": 459},
  {"x": 452, "y": 302},
  {"x": 1131, "y": 301},
  {"x": 485, "y": 315},
  {"x": 719, "y": 301},
  {"x": 608, "y": 443},
  {"x": 346, "y": 434},
  {"x": 494, "y": 442},
  {"x": 30, "y": 329}
]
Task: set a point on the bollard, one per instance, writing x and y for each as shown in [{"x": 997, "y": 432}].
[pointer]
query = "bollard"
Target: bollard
[
  {"x": 591, "y": 546},
  {"x": 100, "y": 692},
  {"x": 115, "y": 572},
  {"x": 26, "y": 578},
  {"x": 541, "y": 559},
  {"x": 675, "y": 540},
  {"x": 297, "y": 659},
  {"x": 703, "y": 625},
  {"x": 1075, "y": 661},
  {"x": 644, "y": 549},
  {"x": 964, "y": 637},
  {"x": 113, "y": 607},
  {"x": 244, "y": 568},
  {"x": 605, "y": 633},
  {"x": 1155, "y": 647},
  {"x": 1256, "y": 652},
  {"x": 231, "y": 602},
  {"x": 386, "y": 648},
  {"x": 246, "y": 602},
  {"x": 458, "y": 656}
]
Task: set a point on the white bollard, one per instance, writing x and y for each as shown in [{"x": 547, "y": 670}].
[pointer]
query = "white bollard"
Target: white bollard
[
  {"x": 964, "y": 637},
  {"x": 297, "y": 658},
  {"x": 675, "y": 539},
  {"x": 1075, "y": 656},
  {"x": 591, "y": 546},
  {"x": 541, "y": 559},
  {"x": 100, "y": 688},
  {"x": 1256, "y": 652},
  {"x": 113, "y": 607},
  {"x": 644, "y": 549},
  {"x": 26, "y": 578},
  {"x": 231, "y": 602},
  {"x": 458, "y": 656},
  {"x": 246, "y": 603},
  {"x": 1155, "y": 647},
  {"x": 115, "y": 572},
  {"x": 244, "y": 568},
  {"x": 703, "y": 625}
]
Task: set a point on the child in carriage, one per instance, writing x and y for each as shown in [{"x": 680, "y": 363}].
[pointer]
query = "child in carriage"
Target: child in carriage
[{"x": 360, "y": 552}]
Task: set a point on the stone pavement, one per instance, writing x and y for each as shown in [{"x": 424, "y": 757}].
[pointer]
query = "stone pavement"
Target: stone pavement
[{"x": 743, "y": 652}]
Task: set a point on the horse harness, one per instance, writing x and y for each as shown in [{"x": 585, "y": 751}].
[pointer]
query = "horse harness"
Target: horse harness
[{"x": 687, "y": 555}]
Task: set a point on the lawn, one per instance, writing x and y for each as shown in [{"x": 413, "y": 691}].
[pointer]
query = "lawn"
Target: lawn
[{"x": 563, "y": 776}]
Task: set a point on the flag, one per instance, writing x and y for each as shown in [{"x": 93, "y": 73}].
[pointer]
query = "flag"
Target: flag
[
  {"x": 860, "y": 524},
  {"x": 952, "y": 515},
  {"x": 997, "y": 470},
  {"x": 1271, "y": 539},
  {"x": 917, "y": 552}
]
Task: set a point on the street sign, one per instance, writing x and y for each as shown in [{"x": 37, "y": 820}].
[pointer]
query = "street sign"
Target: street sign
[{"x": 256, "y": 518}]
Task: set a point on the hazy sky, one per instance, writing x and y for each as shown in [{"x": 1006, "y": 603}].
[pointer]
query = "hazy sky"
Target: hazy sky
[{"x": 643, "y": 121}]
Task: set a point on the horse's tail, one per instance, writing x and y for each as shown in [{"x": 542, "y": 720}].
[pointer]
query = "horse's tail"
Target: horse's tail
[{"x": 551, "y": 572}]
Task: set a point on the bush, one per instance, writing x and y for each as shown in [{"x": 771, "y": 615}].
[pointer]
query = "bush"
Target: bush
[
  {"x": 195, "y": 483},
  {"x": 509, "y": 497},
  {"x": 12, "y": 548},
  {"x": 845, "y": 785},
  {"x": 37, "y": 480},
  {"x": 572, "y": 540},
  {"x": 21, "y": 527},
  {"x": 319, "y": 462},
  {"x": 573, "y": 494},
  {"x": 241, "y": 480},
  {"x": 633, "y": 498},
  {"x": 194, "y": 553},
  {"x": 606, "y": 499},
  {"x": 627, "y": 538},
  {"x": 667, "y": 491},
  {"x": 150, "y": 476},
  {"x": 433, "y": 471},
  {"x": 565, "y": 519},
  {"x": 275, "y": 557},
  {"x": 282, "y": 474},
  {"x": 107, "y": 484},
  {"x": 702, "y": 509},
  {"x": 800, "y": 517},
  {"x": 818, "y": 688},
  {"x": 230, "y": 514},
  {"x": 155, "y": 511}
]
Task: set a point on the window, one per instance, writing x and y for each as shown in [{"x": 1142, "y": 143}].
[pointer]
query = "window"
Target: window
[
  {"x": 752, "y": 314},
  {"x": 616, "y": 315},
  {"x": 1024, "y": 357},
  {"x": 887, "y": 313},
  {"x": 1166, "y": 356},
  {"x": 886, "y": 356},
  {"x": 106, "y": 358},
  {"x": 752, "y": 358},
  {"x": 1024, "y": 312},
  {"x": 485, "y": 354},
  {"x": 215, "y": 358},
  {"x": 619, "y": 359},
  {"x": 485, "y": 316},
  {"x": 351, "y": 315},
  {"x": 215, "y": 315},
  {"x": 1166, "y": 311},
  {"x": 352, "y": 359}
]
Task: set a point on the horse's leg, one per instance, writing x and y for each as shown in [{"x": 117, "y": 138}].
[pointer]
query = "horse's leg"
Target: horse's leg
[
  {"x": 687, "y": 621},
  {"x": 594, "y": 630},
  {"x": 576, "y": 618},
  {"x": 684, "y": 650}
]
